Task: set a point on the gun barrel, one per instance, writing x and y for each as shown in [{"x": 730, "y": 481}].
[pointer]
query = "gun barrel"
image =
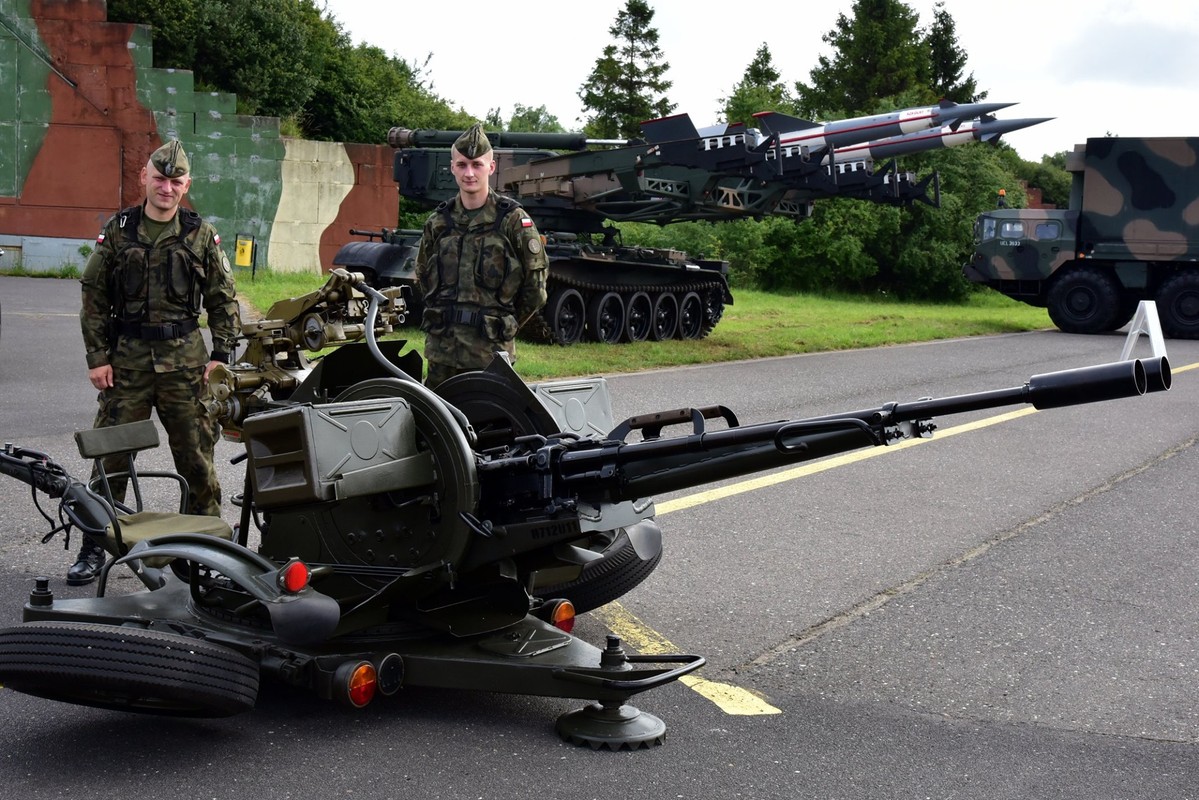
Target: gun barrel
[
  {"x": 400, "y": 138},
  {"x": 646, "y": 468}
]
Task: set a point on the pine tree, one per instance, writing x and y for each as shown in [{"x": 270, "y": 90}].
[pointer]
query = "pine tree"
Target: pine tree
[
  {"x": 947, "y": 60},
  {"x": 761, "y": 89},
  {"x": 878, "y": 53},
  {"x": 627, "y": 86}
]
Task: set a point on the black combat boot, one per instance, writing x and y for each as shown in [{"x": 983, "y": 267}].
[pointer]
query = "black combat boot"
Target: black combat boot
[{"x": 87, "y": 568}]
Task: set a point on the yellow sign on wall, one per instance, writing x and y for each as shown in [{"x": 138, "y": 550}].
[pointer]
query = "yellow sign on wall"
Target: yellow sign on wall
[{"x": 244, "y": 257}]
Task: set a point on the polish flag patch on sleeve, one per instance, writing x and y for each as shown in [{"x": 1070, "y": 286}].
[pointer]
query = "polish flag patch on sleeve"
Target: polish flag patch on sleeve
[
  {"x": 100, "y": 238},
  {"x": 525, "y": 222},
  {"x": 216, "y": 237}
]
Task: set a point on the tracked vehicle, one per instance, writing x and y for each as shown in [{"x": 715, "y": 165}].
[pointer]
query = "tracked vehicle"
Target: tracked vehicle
[{"x": 576, "y": 188}]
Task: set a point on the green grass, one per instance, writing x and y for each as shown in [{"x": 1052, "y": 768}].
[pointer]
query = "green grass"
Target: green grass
[
  {"x": 757, "y": 325},
  {"x": 64, "y": 271},
  {"x": 262, "y": 288},
  {"x": 760, "y": 325}
]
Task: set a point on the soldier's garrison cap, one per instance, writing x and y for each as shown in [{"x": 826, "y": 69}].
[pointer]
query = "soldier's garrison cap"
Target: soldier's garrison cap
[
  {"x": 170, "y": 160},
  {"x": 473, "y": 142}
]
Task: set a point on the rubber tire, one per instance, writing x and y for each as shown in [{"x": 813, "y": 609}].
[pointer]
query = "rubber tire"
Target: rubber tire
[
  {"x": 606, "y": 579},
  {"x": 665, "y": 317},
  {"x": 638, "y": 317},
  {"x": 691, "y": 317},
  {"x": 566, "y": 314},
  {"x": 1178, "y": 305},
  {"x": 127, "y": 669},
  {"x": 1084, "y": 300},
  {"x": 605, "y": 318}
]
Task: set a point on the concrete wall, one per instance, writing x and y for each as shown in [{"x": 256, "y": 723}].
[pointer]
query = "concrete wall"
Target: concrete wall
[{"x": 82, "y": 108}]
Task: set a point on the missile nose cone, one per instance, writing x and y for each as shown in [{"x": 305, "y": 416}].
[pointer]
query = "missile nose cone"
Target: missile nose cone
[
  {"x": 1009, "y": 125},
  {"x": 960, "y": 112}
]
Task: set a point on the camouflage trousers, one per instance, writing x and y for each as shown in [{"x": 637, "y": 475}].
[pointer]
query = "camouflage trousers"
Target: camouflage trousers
[
  {"x": 191, "y": 432},
  {"x": 460, "y": 350}
]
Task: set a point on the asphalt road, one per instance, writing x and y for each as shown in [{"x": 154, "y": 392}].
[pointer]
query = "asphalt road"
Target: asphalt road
[{"x": 1006, "y": 610}]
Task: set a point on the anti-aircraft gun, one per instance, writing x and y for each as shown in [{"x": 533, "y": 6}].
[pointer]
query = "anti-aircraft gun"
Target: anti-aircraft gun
[
  {"x": 396, "y": 549},
  {"x": 575, "y": 188}
]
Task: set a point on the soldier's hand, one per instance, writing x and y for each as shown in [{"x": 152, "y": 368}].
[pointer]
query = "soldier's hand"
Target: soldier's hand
[{"x": 101, "y": 377}]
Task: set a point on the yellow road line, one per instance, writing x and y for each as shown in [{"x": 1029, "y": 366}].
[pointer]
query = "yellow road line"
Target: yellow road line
[
  {"x": 699, "y": 498},
  {"x": 728, "y": 698},
  {"x": 734, "y": 699}
]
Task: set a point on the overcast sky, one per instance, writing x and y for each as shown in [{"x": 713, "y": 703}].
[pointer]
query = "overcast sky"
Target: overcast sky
[{"x": 1097, "y": 67}]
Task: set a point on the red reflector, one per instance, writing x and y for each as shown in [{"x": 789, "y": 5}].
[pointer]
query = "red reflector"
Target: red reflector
[
  {"x": 294, "y": 576},
  {"x": 563, "y": 617},
  {"x": 362, "y": 684}
]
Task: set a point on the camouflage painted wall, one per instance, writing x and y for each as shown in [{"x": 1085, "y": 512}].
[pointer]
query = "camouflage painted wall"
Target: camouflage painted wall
[{"x": 81, "y": 109}]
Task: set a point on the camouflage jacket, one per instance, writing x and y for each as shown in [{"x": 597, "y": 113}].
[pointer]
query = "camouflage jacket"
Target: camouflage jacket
[
  {"x": 132, "y": 284},
  {"x": 482, "y": 276}
]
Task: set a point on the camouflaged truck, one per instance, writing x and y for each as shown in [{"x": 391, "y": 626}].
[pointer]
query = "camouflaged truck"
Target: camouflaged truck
[{"x": 1131, "y": 233}]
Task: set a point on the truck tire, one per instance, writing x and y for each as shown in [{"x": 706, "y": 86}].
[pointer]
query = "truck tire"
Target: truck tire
[
  {"x": 1178, "y": 305},
  {"x": 127, "y": 669},
  {"x": 1084, "y": 300}
]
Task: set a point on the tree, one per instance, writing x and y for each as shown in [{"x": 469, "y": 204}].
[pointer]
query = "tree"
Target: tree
[
  {"x": 526, "y": 119},
  {"x": 173, "y": 27},
  {"x": 947, "y": 60},
  {"x": 760, "y": 89},
  {"x": 263, "y": 51},
  {"x": 627, "y": 86},
  {"x": 878, "y": 53}
]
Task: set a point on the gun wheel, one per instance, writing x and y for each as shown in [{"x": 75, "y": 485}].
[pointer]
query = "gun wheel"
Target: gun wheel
[
  {"x": 127, "y": 669},
  {"x": 627, "y": 556}
]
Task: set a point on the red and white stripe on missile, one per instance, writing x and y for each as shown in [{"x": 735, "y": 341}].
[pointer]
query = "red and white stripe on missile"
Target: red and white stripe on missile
[{"x": 793, "y": 132}]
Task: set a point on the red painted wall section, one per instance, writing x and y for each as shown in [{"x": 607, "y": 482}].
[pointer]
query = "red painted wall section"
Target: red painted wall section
[
  {"x": 373, "y": 202},
  {"x": 99, "y": 136}
]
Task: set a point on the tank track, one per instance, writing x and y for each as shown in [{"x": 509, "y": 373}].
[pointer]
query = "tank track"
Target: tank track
[{"x": 567, "y": 325}]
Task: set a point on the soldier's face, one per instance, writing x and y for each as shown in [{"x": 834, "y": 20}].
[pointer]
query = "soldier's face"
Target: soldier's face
[
  {"x": 472, "y": 174},
  {"x": 163, "y": 194}
]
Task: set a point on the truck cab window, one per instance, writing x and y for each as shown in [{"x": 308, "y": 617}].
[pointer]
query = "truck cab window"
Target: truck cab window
[
  {"x": 1047, "y": 230},
  {"x": 1012, "y": 229}
]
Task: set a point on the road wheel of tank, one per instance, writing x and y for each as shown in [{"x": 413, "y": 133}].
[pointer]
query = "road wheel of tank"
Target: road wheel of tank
[
  {"x": 1178, "y": 305},
  {"x": 627, "y": 556},
  {"x": 691, "y": 317},
  {"x": 638, "y": 317},
  {"x": 1084, "y": 300},
  {"x": 127, "y": 669},
  {"x": 566, "y": 314},
  {"x": 605, "y": 317},
  {"x": 713, "y": 310},
  {"x": 665, "y": 317}
]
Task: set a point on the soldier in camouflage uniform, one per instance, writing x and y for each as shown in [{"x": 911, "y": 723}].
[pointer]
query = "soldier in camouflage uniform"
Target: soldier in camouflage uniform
[
  {"x": 481, "y": 268},
  {"x": 156, "y": 266}
]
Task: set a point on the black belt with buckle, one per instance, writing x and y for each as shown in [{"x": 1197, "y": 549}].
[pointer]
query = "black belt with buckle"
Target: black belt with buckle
[
  {"x": 158, "y": 331},
  {"x": 473, "y": 319}
]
